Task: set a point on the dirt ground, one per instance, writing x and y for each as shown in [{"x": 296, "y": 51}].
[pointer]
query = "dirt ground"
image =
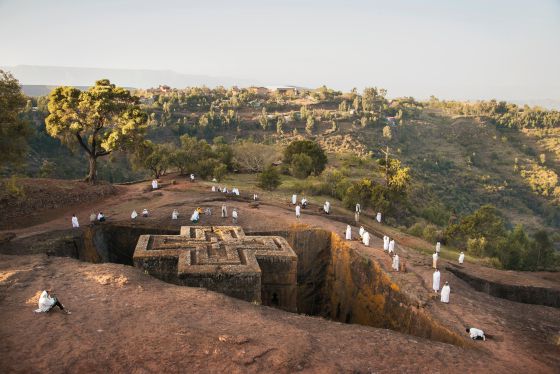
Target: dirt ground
[{"x": 125, "y": 321}]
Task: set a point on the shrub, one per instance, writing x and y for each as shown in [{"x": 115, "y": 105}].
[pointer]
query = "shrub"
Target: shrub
[
  {"x": 269, "y": 179},
  {"x": 301, "y": 165},
  {"x": 311, "y": 149}
]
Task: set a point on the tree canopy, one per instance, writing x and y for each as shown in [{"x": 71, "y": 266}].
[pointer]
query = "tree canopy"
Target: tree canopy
[
  {"x": 311, "y": 149},
  {"x": 100, "y": 120}
]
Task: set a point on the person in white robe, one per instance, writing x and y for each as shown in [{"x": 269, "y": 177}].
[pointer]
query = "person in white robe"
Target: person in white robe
[
  {"x": 385, "y": 243},
  {"x": 361, "y": 231},
  {"x": 75, "y": 223},
  {"x": 365, "y": 239},
  {"x": 213, "y": 188},
  {"x": 303, "y": 202},
  {"x": 434, "y": 260},
  {"x": 133, "y": 215},
  {"x": 224, "y": 211},
  {"x": 195, "y": 216},
  {"x": 255, "y": 197},
  {"x": 145, "y": 212},
  {"x": 47, "y": 302},
  {"x": 192, "y": 177},
  {"x": 154, "y": 184},
  {"x": 298, "y": 211},
  {"x": 445, "y": 291},
  {"x": 396, "y": 262},
  {"x": 175, "y": 214},
  {"x": 294, "y": 199},
  {"x": 101, "y": 217},
  {"x": 476, "y": 334},
  {"x": 435, "y": 280},
  {"x": 327, "y": 207},
  {"x": 392, "y": 246},
  {"x": 438, "y": 247},
  {"x": 348, "y": 232},
  {"x": 234, "y": 215},
  {"x": 461, "y": 258},
  {"x": 378, "y": 217}
]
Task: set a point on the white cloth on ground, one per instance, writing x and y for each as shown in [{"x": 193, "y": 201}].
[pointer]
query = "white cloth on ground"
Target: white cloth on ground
[
  {"x": 435, "y": 280},
  {"x": 348, "y": 232},
  {"x": 445, "y": 291},
  {"x": 45, "y": 302}
]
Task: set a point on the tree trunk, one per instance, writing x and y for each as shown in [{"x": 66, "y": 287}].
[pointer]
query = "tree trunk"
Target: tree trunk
[{"x": 92, "y": 175}]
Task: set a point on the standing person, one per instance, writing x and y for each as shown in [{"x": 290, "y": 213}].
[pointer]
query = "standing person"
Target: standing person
[
  {"x": 101, "y": 217},
  {"x": 133, "y": 215},
  {"x": 234, "y": 215},
  {"x": 361, "y": 231},
  {"x": 385, "y": 243},
  {"x": 435, "y": 281},
  {"x": 224, "y": 211},
  {"x": 396, "y": 262},
  {"x": 175, "y": 214},
  {"x": 348, "y": 232},
  {"x": 294, "y": 199},
  {"x": 192, "y": 177},
  {"x": 195, "y": 216},
  {"x": 154, "y": 184},
  {"x": 445, "y": 291},
  {"x": 392, "y": 246},
  {"x": 461, "y": 258},
  {"x": 434, "y": 260},
  {"x": 255, "y": 197},
  {"x": 47, "y": 302},
  {"x": 378, "y": 217},
  {"x": 438, "y": 247},
  {"x": 75, "y": 223},
  {"x": 327, "y": 207},
  {"x": 365, "y": 239},
  {"x": 298, "y": 211}
]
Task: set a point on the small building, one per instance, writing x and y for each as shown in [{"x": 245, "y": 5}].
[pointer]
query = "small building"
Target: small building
[{"x": 261, "y": 91}]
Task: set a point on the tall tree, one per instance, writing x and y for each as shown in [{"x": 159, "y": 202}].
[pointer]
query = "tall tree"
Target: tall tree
[
  {"x": 100, "y": 120},
  {"x": 14, "y": 132}
]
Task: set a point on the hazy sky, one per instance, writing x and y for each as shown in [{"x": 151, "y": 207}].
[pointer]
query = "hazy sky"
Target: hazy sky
[{"x": 453, "y": 49}]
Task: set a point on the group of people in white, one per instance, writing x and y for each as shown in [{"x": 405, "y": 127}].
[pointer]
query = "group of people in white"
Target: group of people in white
[
  {"x": 92, "y": 218},
  {"x": 224, "y": 189}
]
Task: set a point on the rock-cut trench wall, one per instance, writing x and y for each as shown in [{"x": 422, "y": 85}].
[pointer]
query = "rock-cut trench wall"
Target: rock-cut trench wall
[{"x": 337, "y": 282}]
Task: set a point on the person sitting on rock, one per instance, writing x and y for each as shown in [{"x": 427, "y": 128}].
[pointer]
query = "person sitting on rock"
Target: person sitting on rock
[
  {"x": 476, "y": 334},
  {"x": 47, "y": 302}
]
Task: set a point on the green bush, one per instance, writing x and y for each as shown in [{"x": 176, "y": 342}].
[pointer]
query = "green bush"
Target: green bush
[
  {"x": 269, "y": 179},
  {"x": 301, "y": 165}
]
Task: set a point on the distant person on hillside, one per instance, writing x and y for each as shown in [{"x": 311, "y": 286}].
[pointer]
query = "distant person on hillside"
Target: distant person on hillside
[
  {"x": 392, "y": 246},
  {"x": 327, "y": 207},
  {"x": 75, "y": 223},
  {"x": 195, "y": 216},
  {"x": 365, "y": 239},
  {"x": 224, "y": 211},
  {"x": 378, "y": 217},
  {"x": 175, "y": 214},
  {"x": 434, "y": 260},
  {"x": 133, "y": 215},
  {"x": 213, "y": 188},
  {"x": 461, "y": 258},
  {"x": 438, "y": 247},
  {"x": 145, "y": 213},
  {"x": 358, "y": 211},
  {"x": 234, "y": 216},
  {"x": 435, "y": 280},
  {"x": 395, "y": 265},
  {"x": 47, "y": 302},
  {"x": 445, "y": 291},
  {"x": 298, "y": 211},
  {"x": 154, "y": 184},
  {"x": 255, "y": 197},
  {"x": 294, "y": 199},
  {"x": 348, "y": 232},
  {"x": 361, "y": 232},
  {"x": 192, "y": 177},
  {"x": 303, "y": 202},
  {"x": 476, "y": 334},
  {"x": 385, "y": 243},
  {"x": 101, "y": 217}
]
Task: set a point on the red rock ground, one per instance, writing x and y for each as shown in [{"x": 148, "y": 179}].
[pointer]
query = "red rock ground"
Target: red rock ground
[{"x": 125, "y": 321}]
